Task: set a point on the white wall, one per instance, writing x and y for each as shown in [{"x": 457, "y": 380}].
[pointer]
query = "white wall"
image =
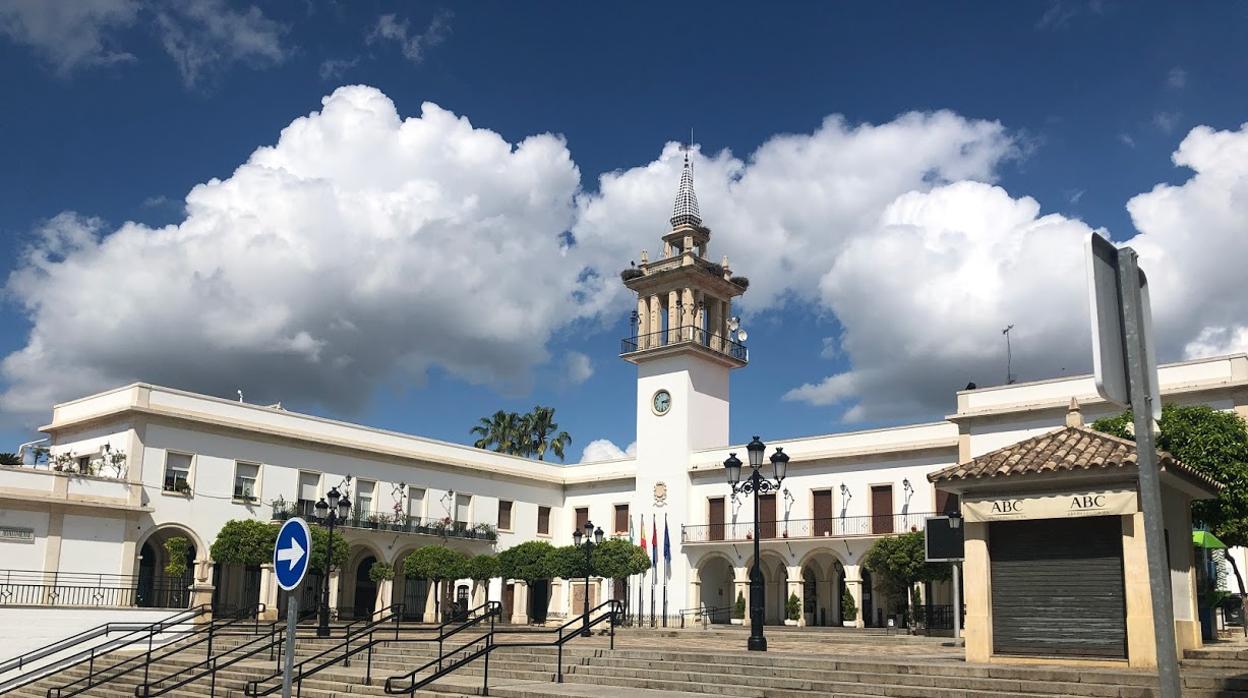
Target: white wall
[
  {"x": 91, "y": 542},
  {"x": 30, "y": 628},
  {"x": 20, "y": 555}
]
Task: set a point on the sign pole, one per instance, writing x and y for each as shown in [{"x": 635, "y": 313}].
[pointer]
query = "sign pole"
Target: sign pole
[
  {"x": 957, "y": 608},
  {"x": 1140, "y": 386},
  {"x": 292, "y": 619}
]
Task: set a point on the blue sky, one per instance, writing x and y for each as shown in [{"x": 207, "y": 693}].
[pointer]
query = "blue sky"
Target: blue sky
[{"x": 117, "y": 116}]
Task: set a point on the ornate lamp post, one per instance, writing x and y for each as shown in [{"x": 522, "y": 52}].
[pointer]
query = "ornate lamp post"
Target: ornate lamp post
[
  {"x": 592, "y": 538},
  {"x": 329, "y": 515},
  {"x": 756, "y": 485}
]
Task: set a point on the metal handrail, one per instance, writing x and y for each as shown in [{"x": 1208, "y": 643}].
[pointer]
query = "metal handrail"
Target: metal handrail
[
  {"x": 685, "y": 334},
  {"x": 213, "y": 664},
  {"x": 252, "y": 688},
  {"x": 146, "y": 657},
  {"x": 705, "y": 611},
  {"x": 828, "y": 527},
  {"x": 580, "y": 624},
  {"x": 19, "y": 662}
]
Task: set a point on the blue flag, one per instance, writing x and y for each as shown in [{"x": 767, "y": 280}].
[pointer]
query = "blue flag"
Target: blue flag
[{"x": 667, "y": 551}]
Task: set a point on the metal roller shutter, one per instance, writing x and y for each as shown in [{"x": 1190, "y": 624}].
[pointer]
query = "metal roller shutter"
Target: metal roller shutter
[{"x": 1057, "y": 587}]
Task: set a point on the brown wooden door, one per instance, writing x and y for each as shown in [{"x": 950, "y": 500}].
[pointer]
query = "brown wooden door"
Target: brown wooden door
[
  {"x": 767, "y": 515},
  {"x": 823, "y": 513},
  {"x": 715, "y": 518},
  {"x": 582, "y": 518},
  {"x": 881, "y": 508}
]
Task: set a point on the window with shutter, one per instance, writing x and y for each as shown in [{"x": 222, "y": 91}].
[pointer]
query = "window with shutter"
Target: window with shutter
[
  {"x": 504, "y": 515},
  {"x": 543, "y": 521},
  {"x": 621, "y": 518}
]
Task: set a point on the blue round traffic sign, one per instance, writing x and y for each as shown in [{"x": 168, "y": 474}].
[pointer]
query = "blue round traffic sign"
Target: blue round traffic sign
[{"x": 291, "y": 553}]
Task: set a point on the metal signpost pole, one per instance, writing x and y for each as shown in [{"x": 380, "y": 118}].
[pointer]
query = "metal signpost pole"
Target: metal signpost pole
[
  {"x": 291, "y": 556},
  {"x": 292, "y": 619},
  {"x": 957, "y": 608},
  {"x": 1139, "y": 382}
]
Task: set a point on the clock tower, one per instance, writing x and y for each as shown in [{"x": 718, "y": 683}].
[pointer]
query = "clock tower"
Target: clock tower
[{"x": 685, "y": 343}]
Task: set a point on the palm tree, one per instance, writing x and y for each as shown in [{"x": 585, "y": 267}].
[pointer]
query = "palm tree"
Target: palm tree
[
  {"x": 503, "y": 432},
  {"x": 527, "y": 435},
  {"x": 544, "y": 433},
  {"x": 10, "y": 459}
]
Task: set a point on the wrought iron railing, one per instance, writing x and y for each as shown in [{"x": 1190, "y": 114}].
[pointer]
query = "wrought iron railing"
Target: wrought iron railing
[
  {"x": 938, "y": 616},
  {"x": 35, "y": 588},
  {"x": 402, "y": 524},
  {"x": 837, "y": 527},
  {"x": 686, "y": 334}
]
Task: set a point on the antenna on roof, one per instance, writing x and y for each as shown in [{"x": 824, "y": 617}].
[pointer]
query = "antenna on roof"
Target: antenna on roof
[
  {"x": 1009, "y": 375},
  {"x": 240, "y": 394}
]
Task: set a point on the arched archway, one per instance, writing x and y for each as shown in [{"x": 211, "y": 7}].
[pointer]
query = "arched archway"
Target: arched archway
[
  {"x": 155, "y": 587},
  {"x": 821, "y": 589},
  {"x": 365, "y": 588},
  {"x": 412, "y": 593},
  {"x": 716, "y": 591},
  {"x": 357, "y": 594},
  {"x": 775, "y": 586}
]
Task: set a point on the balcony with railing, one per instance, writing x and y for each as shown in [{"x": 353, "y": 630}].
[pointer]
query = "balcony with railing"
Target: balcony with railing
[
  {"x": 687, "y": 335},
  {"x": 398, "y": 523},
  {"x": 835, "y": 527}
]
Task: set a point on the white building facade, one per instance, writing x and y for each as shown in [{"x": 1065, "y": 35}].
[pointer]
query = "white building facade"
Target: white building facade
[{"x": 193, "y": 462}]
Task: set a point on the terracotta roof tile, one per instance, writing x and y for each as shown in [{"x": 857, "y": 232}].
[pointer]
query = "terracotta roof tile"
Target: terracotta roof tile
[{"x": 1069, "y": 449}]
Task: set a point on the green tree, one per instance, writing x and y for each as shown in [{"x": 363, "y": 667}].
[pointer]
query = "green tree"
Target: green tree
[
  {"x": 437, "y": 564},
  {"x": 793, "y": 608},
  {"x": 7, "y": 458},
  {"x": 177, "y": 548},
  {"x": 528, "y": 562},
  {"x": 503, "y": 432},
  {"x": 543, "y": 433},
  {"x": 618, "y": 559},
  {"x": 380, "y": 572},
  {"x": 532, "y": 434},
  {"x": 849, "y": 609},
  {"x": 316, "y": 556},
  {"x": 569, "y": 562},
  {"x": 1215, "y": 443},
  {"x": 738, "y": 608},
  {"x": 244, "y": 542},
  {"x": 899, "y": 562},
  {"x": 481, "y": 569}
]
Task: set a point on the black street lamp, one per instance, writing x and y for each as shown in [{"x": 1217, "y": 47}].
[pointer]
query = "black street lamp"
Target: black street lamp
[
  {"x": 756, "y": 484},
  {"x": 591, "y": 537},
  {"x": 329, "y": 515}
]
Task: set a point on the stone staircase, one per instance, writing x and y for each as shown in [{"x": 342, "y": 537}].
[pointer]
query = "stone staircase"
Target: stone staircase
[{"x": 647, "y": 663}]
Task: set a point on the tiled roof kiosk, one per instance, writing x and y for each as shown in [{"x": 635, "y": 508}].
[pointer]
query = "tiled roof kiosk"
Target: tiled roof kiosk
[{"x": 1051, "y": 523}]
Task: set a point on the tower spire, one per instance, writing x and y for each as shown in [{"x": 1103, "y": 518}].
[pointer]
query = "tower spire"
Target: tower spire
[{"x": 685, "y": 210}]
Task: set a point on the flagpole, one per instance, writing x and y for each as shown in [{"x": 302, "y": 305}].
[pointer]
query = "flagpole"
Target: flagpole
[{"x": 667, "y": 567}]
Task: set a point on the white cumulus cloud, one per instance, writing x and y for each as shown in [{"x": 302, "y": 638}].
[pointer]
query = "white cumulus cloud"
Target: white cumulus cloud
[
  {"x": 605, "y": 449},
  {"x": 358, "y": 248},
  {"x": 578, "y": 367}
]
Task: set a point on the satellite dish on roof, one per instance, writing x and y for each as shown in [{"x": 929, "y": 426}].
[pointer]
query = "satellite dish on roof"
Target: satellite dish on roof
[
  {"x": 734, "y": 323},
  {"x": 742, "y": 335}
]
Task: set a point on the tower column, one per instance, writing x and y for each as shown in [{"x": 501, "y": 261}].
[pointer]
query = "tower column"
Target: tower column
[
  {"x": 656, "y": 324},
  {"x": 673, "y": 317},
  {"x": 643, "y": 321},
  {"x": 686, "y": 315},
  {"x": 713, "y": 323},
  {"x": 699, "y": 319}
]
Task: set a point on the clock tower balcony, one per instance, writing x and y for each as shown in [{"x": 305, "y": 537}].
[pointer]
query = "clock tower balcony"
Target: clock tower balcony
[{"x": 688, "y": 339}]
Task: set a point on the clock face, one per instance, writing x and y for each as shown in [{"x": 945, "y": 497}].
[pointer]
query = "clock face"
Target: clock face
[{"x": 662, "y": 402}]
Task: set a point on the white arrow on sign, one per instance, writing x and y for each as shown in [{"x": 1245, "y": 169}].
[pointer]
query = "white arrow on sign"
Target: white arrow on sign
[{"x": 291, "y": 555}]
